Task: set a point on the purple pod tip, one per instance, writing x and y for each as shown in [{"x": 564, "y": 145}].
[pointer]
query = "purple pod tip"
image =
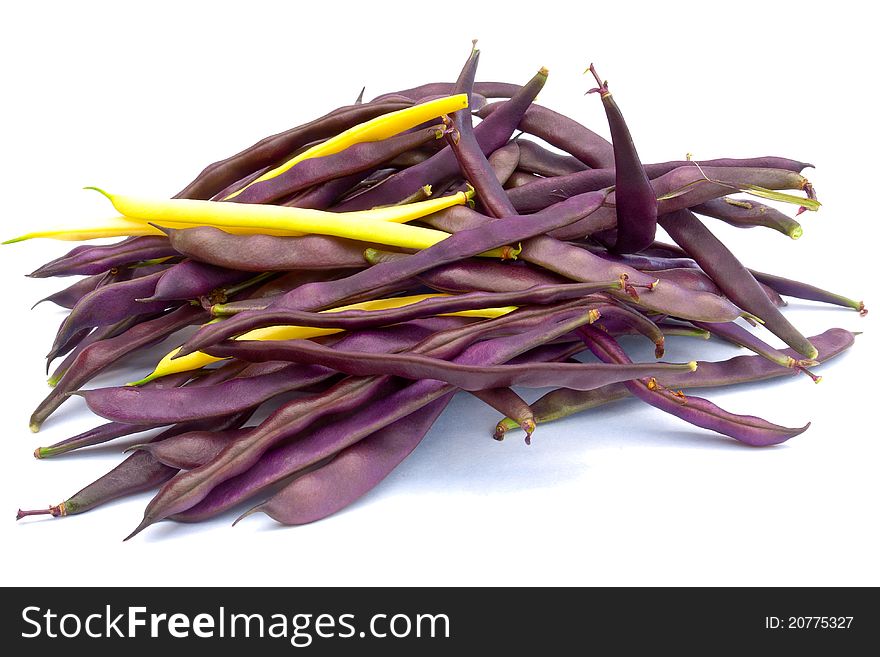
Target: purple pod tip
[
  {"x": 244, "y": 515},
  {"x": 146, "y": 522}
]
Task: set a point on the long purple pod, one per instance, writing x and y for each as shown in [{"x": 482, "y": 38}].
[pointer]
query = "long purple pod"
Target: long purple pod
[
  {"x": 473, "y": 163},
  {"x": 563, "y": 402},
  {"x": 799, "y": 290},
  {"x": 732, "y": 277},
  {"x": 353, "y": 472},
  {"x": 139, "y": 405},
  {"x": 636, "y": 204},
  {"x": 749, "y": 214},
  {"x": 72, "y": 254},
  {"x": 90, "y": 260},
  {"x": 191, "y": 279},
  {"x": 193, "y": 448},
  {"x": 219, "y": 175},
  {"x": 688, "y": 186},
  {"x": 112, "y": 430},
  {"x": 109, "y": 304},
  {"x": 137, "y": 473},
  {"x": 488, "y": 276},
  {"x": 464, "y": 244},
  {"x": 476, "y": 168},
  {"x": 397, "y": 402},
  {"x": 491, "y": 134},
  {"x": 420, "y": 93},
  {"x": 542, "y": 192},
  {"x": 255, "y": 253},
  {"x": 747, "y": 429},
  {"x": 534, "y": 158},
  {"x": 579, "y": 264},
  {"x": 362, "y": 319},
  {"x": 101, "y": 355},
  {"x": 581, "y": 376},
  {"x": 354, "y": 159},
  {"x": 475, "y": 274},
  {"x": 738, "y": 335},
  {"x": 563, "y": 133}
]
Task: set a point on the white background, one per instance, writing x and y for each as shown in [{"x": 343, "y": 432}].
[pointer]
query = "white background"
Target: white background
[{"x": 138, "y": 100}]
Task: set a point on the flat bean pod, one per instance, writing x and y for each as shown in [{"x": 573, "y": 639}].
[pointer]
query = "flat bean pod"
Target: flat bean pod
[
  {"x": 191, "y": 279},
  {"x": 582, "y": 376},
  {"x": 90, "y": 260},
  {"x": 636, "y": 203},
  {"x": 255, "y": 253},
  {"x": 542, "y": 192},
  {"x": 747, "y": 429}
]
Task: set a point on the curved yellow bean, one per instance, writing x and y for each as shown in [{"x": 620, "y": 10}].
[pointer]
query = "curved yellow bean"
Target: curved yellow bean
[
  {"x": 170, "y": 365},
  {"x": 369, "y": 225},
  {"x": 381, "y": 127}
]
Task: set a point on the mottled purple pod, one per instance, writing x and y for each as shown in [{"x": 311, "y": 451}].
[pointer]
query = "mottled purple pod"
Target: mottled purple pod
[{"x": 256, "y": 253}]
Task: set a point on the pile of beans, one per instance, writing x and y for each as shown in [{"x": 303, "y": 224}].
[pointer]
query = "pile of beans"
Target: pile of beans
[{"x": 353, "y": 273}]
